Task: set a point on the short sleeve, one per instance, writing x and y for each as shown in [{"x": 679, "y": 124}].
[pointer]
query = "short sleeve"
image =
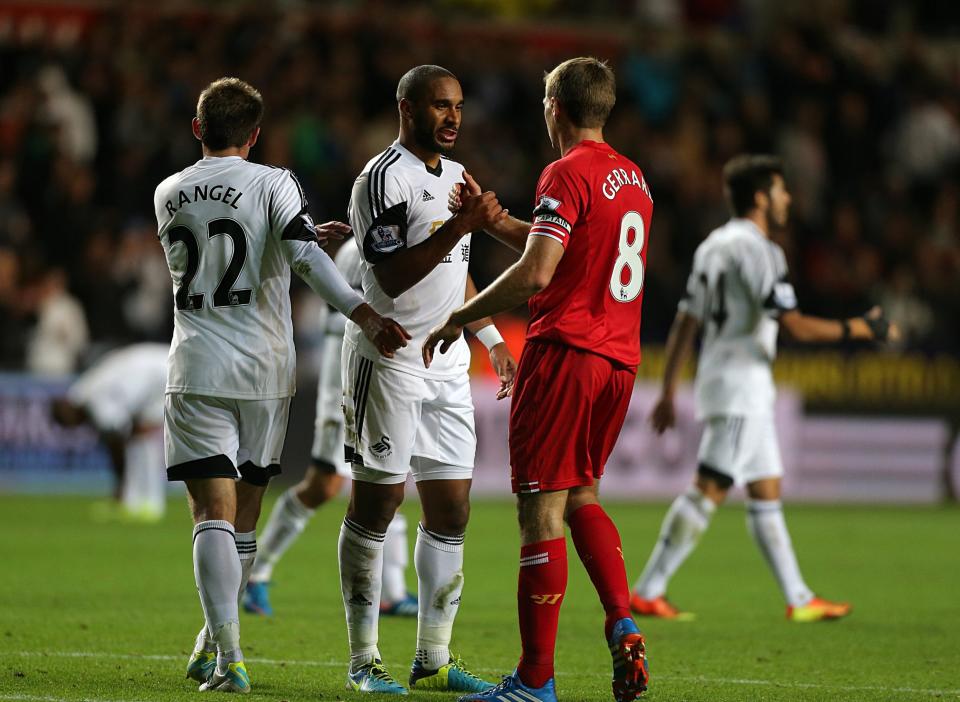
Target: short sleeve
[
  {"x": 288, "y": 210},
  {"x": 559, "y": 203},
  {"x": 764, "y": 272},
  {"x": 378, "y": 211},
  {"x": 694, "y": 298}
]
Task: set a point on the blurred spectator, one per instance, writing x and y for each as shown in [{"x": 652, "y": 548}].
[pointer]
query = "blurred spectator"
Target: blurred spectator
[
  {"x": 867, "y": 120},
  {"x": 60, "y": 335}
]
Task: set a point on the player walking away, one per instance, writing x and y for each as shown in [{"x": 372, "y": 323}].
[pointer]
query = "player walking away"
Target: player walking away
[
  {"x": 121, "y": 396},
  {"x": 582, "y": 270},
  {"x": 231, "y": 231},
  {"x": 738, "y": 292},
  {"x": 402, "y": 417},
  {"x": 325, "y": 477}
]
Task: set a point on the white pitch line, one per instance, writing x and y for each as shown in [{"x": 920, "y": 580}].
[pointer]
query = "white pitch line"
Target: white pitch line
[{"x": 336, "y": 664}]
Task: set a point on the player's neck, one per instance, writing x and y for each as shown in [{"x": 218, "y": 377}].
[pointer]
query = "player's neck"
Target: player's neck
[
  {"x": 431, "y": 158},
  {"x": 241, "y": 151},
  {"x": 571, "y": 136},
  {"x": 760, "y": 219}
]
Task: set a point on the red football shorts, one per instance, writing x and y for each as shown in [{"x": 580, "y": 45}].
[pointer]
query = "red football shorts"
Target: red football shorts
[{"x": 568, "y": 408}]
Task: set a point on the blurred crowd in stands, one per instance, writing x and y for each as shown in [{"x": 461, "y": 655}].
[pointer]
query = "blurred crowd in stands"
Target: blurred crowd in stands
[{"x": 862, "y": 104}]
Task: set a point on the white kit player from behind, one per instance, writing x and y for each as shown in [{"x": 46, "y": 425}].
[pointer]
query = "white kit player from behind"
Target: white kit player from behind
[
  {"x": 121, "y": 396},
  {"x": 232, "y": 230},
  {"x": 739, "y": 295},
  {"x": 400, "y": 416},
  {"x": 325, "y": 477}
]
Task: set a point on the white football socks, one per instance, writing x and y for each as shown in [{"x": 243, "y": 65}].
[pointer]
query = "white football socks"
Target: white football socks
[
  {"x": 361, "y": 565},
  {"x": 395, "y": 559},
  {"x": 287, "y": 521},
  {"x": 247, "y": 551},
  {"x": 765, "y": 521},
  {"x": 439, "y": 563},
  {"x": 216, "y": 567},
  {"x": 144, "y": 490},
  {"x": 686, "y": 520}
]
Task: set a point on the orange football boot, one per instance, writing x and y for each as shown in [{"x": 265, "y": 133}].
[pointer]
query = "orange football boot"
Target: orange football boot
[
  {"x": 818, "y": 610},
  {"x": 659, "y": 607}
]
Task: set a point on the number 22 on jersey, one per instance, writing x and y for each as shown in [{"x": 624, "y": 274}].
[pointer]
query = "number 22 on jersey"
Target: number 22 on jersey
[
  {"x": 626, "y": 281},
  {"x": 223, "y": 295}
]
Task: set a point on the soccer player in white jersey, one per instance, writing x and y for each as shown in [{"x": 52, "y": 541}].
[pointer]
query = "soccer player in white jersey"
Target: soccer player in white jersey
[
  {"x": 739, "y": 296},
  {"x": 402, "y": 417},
  {"x": 231, "y": 231},
  {"x": 325, "y": 476},
  {"x": 121, "y": 396}
]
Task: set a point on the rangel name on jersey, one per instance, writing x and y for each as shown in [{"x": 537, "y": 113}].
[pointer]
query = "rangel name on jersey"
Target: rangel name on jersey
[
  {"x": 221, "y": 222},
  {"x": 397, "y": 202},
  {"x": 737, "y": 289}
]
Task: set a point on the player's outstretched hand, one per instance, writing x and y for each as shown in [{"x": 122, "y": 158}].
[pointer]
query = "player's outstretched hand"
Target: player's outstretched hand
[
  {"x": 384, "y": 333},
  {"x": 881, "y": 328},
  {"x": 505, "y": 366},
  {"x": 664, "y": 415},
  {"x": 445, "y": 335},
  {"x": 331, "y": 230}
]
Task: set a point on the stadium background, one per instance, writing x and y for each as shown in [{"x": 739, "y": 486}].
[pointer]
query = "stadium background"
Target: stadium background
[{"x": 860, "y": 98}]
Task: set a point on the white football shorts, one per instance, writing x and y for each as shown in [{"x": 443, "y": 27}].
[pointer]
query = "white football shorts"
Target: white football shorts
[
  {"x": 743, "y": 447},
  {"x": 327, "y": 450},
  {"x": 397, "y": 422},
  {"x": 218, "y": 437}
]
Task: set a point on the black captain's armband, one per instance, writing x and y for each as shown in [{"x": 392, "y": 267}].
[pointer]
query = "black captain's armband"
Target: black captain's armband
[
  {"x": 387, "y": 234},
  {"x": 300, "y": 228}
]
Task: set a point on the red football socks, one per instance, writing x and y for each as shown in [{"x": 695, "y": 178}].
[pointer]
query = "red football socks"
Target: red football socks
[
  {"x": 542, "y": 583},
  {"x": 598, "y": 545}
]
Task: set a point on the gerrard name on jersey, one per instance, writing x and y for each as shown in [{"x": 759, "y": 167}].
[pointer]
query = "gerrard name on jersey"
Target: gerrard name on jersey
[
  {"x": 202, "y": 193},
  {"x": 618, "y": 177}
]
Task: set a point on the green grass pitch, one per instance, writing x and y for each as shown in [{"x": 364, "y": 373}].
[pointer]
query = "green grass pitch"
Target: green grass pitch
[{"x": 108, "y": 612}]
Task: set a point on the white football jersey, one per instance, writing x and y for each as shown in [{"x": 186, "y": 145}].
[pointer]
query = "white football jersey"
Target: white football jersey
[
  {"x": 221, "y": 222},
  {"x": 397, "y": 202},
  {"x": 124, "y": 388},
  {"x": 737, "y": 289}
]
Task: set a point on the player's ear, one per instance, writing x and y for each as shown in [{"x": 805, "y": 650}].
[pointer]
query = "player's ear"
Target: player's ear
[
  {"x": 253, "y": 137},
  {"x": 406, "y": 108},
  {"x": 196, "y": 128}
]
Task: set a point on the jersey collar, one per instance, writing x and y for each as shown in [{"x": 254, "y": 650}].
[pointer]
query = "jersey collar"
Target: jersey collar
[
  {"x": 750, "y": 225},
  {"x": 414, "y": 160}
]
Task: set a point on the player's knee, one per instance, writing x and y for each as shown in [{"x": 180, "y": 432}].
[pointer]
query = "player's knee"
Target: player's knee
[
  {"x": 712, "y": 483},
  {"x": 450, "y": 518},
  {"x": 319, "y": 487}
]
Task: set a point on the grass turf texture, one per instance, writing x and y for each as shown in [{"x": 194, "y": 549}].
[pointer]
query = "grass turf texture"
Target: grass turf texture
[{"x": 108, "y": 611}]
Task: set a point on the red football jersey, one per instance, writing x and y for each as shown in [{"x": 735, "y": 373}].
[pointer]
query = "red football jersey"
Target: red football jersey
[{"x": 596, "y": 203}]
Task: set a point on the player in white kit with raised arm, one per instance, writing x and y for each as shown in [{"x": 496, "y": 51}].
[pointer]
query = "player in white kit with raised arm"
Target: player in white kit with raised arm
[
  {"x": 121, "y": 396},
  {"x": 232, "y": 230},
  {"x": 739, "y": 295},
  {"x": 325, "y": 477},
  {"x": 400, "y": 416}
]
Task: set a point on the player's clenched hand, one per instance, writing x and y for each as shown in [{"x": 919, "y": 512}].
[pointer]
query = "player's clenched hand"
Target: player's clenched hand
[
  {"x": 331, "y": 230},
  {"x": 384, "y": 333},
  {"x": 505, "y": 367},
  {"x": 663, "y": 416},
  {"x": 480, "y": 211},
  {"x": 444, "y": 335},
  {"x": 453, "y": 198}
]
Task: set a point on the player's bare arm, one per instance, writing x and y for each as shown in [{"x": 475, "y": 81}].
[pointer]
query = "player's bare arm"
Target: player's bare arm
[
  {"x": 503, "y": 362},
  {"x": 873, "y": 326},
  {"x": 508, "y": 230},
  {"x": 407, "y": 267},
  {"x": 525, "y": 278},
  {"x": 683, "y": 331}
]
